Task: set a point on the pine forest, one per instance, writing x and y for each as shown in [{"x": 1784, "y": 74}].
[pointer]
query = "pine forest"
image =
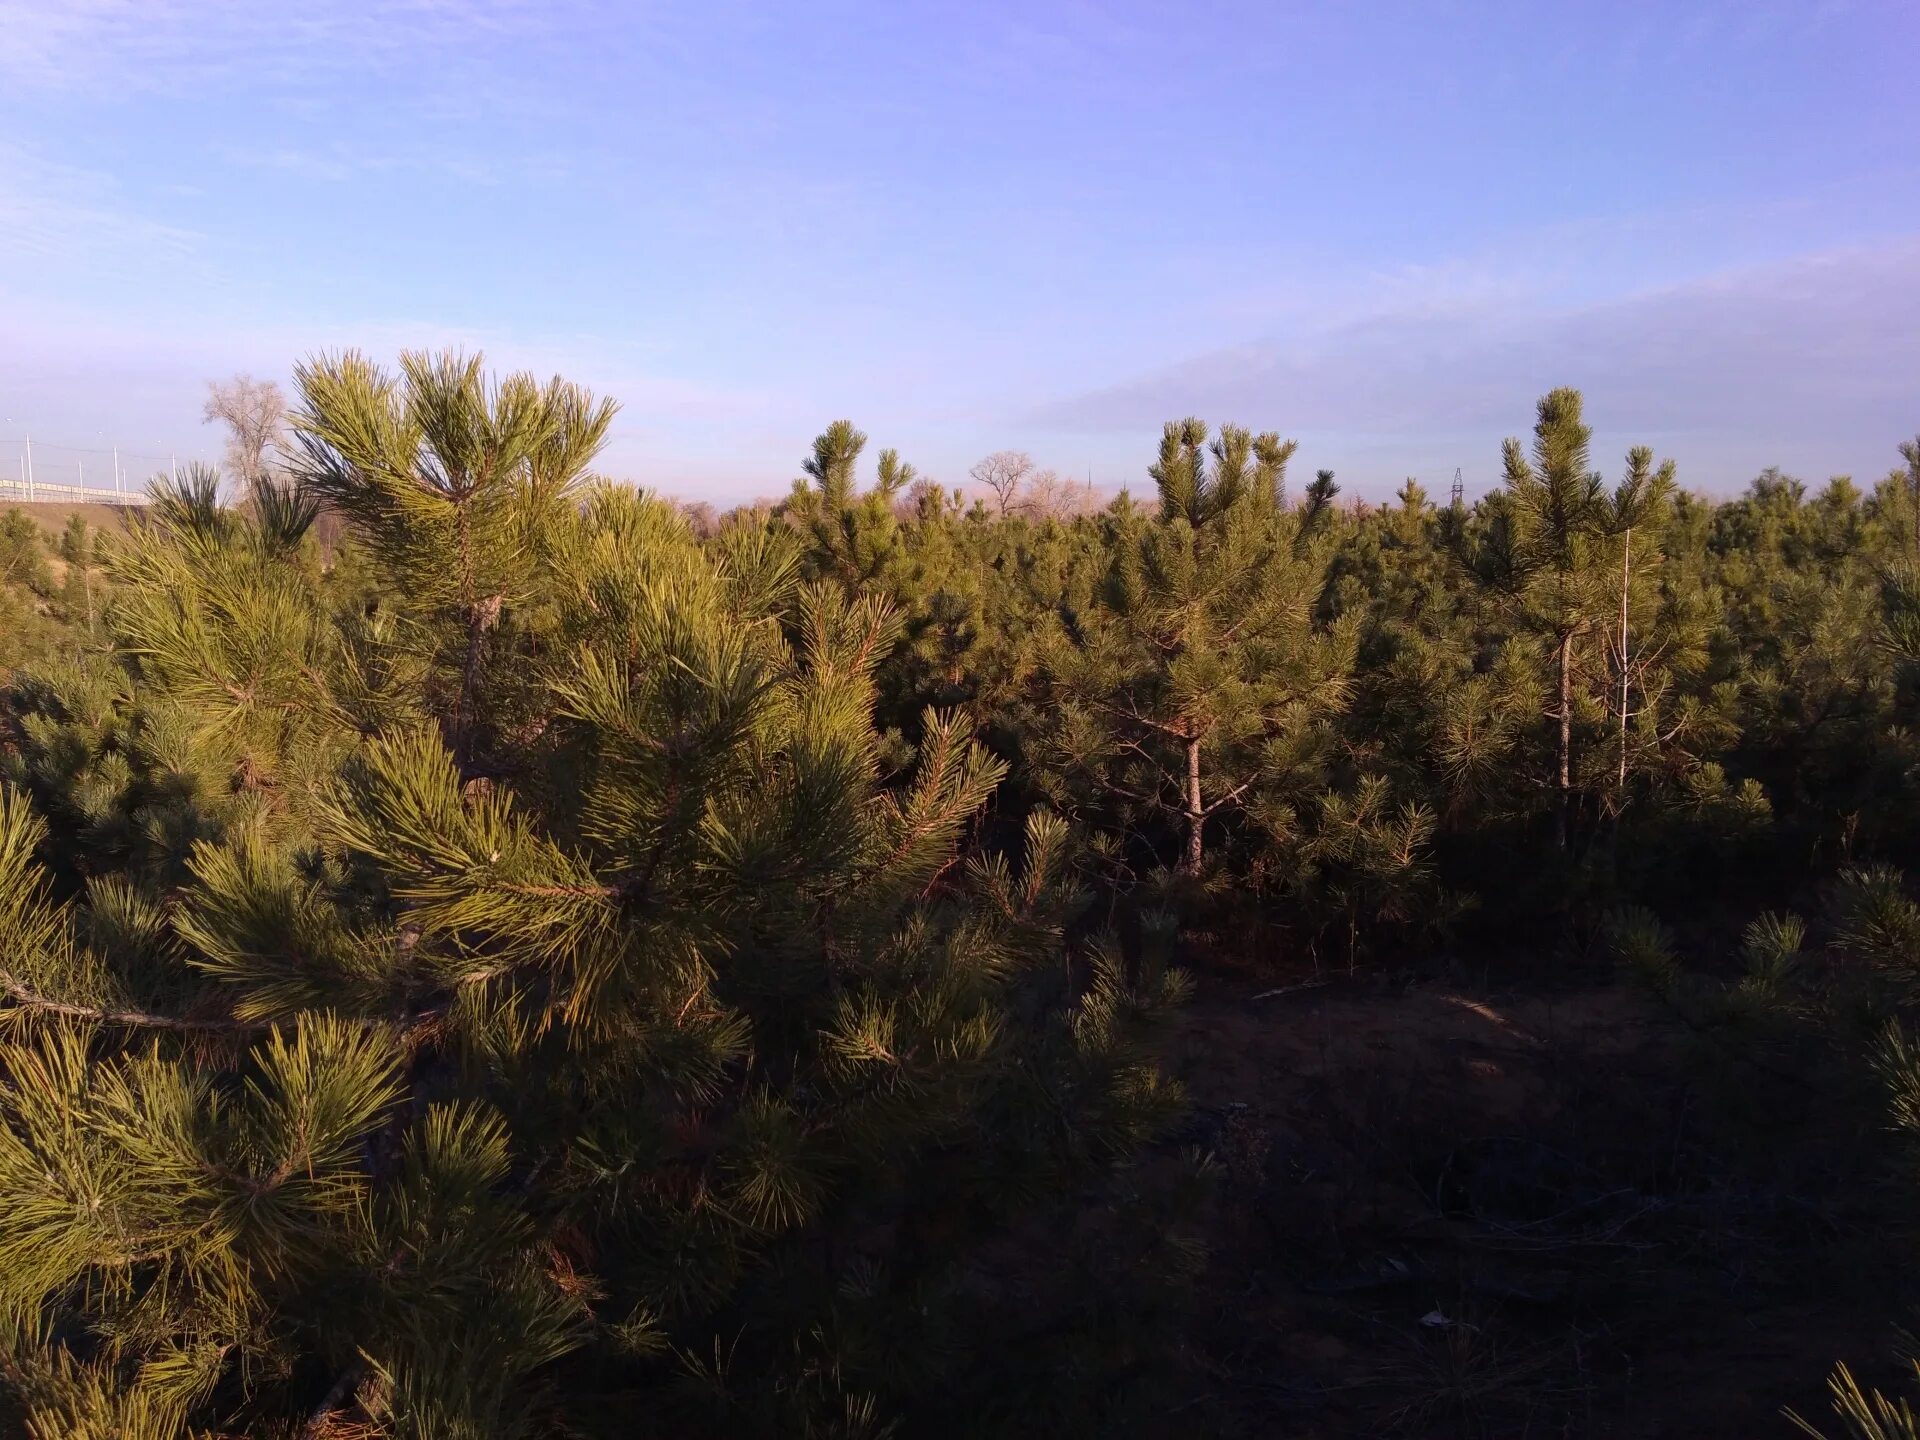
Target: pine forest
[{"x": 487, "y": 952}]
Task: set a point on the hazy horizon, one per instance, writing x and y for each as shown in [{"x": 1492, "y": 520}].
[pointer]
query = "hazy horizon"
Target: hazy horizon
[{"x": 1046, "y": 227}]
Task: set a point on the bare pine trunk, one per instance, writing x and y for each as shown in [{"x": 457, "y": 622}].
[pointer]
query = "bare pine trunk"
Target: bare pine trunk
[{"x": 1196, "y": 812}]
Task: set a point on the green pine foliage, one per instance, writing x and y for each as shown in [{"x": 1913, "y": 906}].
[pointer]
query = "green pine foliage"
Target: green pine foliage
[
  {"x": 388, "y": 1047},
  {"x": 31, "y": 612},
  {"x": 1195, "y": 687},
  {"x": 486, "y": 952}
]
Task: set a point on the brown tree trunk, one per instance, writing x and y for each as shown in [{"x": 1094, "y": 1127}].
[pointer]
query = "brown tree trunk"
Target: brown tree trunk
[
  {"x": 1196, "y": 812},
  {"x": 481, "y": 617},
  {"x": 1566, "y": 739}
]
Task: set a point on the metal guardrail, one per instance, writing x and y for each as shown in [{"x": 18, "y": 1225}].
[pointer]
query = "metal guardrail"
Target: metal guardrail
[{"x": 39, "y": 492}]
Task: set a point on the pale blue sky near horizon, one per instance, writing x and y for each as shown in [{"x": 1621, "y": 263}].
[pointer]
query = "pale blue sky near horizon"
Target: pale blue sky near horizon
[{"x": 1383, "y": 229}]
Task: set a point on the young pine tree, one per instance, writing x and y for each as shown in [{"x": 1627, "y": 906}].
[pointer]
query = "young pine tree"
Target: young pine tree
[
  {"x": 27, "y": 628},
  {"x": 848, "y": 535},
  {"x": 1198, "y": 683},
  {"x": 387, "y": 1070},
  {"x": 1571, "y": 571},
  {"x": 455, "y": 483}
]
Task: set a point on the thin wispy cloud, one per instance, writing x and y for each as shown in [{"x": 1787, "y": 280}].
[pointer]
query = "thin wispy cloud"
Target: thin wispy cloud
[
  {"x": 337, "y": 164},
  {"x": 1824, "y": 348},
  {"x": 77, "y": 217},
  {"x": 169, "y": 46},
  {"x": 1392, "y": 225}
]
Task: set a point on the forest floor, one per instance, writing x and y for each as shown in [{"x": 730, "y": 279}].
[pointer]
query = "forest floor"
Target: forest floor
[{"x": 1447, "y": 1211}]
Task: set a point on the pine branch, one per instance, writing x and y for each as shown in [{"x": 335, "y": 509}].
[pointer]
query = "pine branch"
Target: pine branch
[
  {"x": 1233, "y": 794},
  {"x": 26, "y": 996},
  {"x": 1179, "y": 731}
]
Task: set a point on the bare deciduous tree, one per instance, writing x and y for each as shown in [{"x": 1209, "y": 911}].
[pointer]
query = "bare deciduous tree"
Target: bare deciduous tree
[
  {"x": 1003, "y": 472},
  {"x": 1048, "y": 497},
  {"x": 253, "y": 412}
]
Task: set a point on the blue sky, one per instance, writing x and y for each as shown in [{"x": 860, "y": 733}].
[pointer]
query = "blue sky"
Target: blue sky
[{"x": 1381, "y": 228}]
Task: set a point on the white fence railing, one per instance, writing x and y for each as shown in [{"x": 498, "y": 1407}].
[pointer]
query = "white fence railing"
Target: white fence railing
[{"x": 38, "y": 492}]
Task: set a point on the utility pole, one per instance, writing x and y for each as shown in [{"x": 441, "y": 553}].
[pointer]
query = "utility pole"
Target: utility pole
[
  {"x": 1459, "y": 490},
  {"x": 116, "y": 469}
]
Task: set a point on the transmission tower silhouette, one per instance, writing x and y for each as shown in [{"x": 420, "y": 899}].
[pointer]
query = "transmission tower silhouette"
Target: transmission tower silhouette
[{"x": 1459, "y": 490}]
